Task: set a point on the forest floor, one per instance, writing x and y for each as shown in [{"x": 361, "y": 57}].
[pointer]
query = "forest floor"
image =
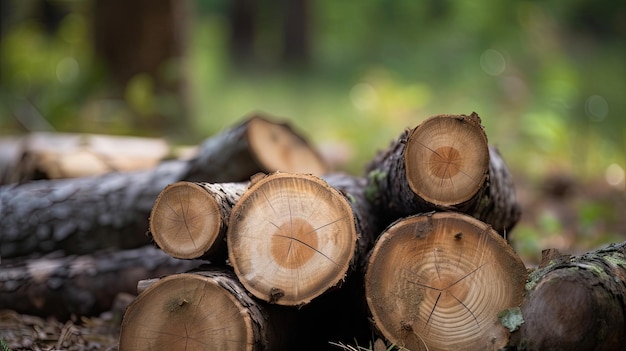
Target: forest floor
[{"x": 559, "y": 213}]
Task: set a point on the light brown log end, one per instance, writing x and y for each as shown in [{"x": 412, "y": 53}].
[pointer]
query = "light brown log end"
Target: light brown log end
[
  {"x": 447, "y": 159},
  {"x": 439, "y": 281},
  {"x": 188, "y": 312},
  {"x": 290, "y": 238},
  {"x": 185, "y": 220},
  {"x": 277, "y": 147}
]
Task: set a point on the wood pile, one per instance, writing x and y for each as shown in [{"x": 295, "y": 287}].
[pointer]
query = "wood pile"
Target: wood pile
[
  {"x": 412, "y": 251},
  {"x": 261, "y": 246}
]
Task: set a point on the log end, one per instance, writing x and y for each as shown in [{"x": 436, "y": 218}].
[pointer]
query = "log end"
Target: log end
[
  {"x": 185, "y": 221},
  {"x": 277, "y": 147},
  {"x": 440, "y": 281},
  {"x": 189, "y": 312},
  {"x": 290, "y": 238},
  {"x": 447, "y": 159}
]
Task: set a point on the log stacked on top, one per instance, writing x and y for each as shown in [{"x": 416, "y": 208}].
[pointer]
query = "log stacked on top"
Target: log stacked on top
[{"x": 319, "y": 248}]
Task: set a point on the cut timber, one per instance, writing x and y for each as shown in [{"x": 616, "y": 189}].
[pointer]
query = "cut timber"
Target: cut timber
[
  {"x": 257, "y": 145},
  {"x": 44, "y": 155},
  {"x": 80, "y": 285},
  {"x": 81, "y": 215},
  {"x": 189, "y": 220},
  {"x": 291, "y": 237},
  {"x": 196, "y": 311},
  {"x": 439, "y": 281},
  {"x": 576, "y": 303},
  {"x": 445, "y": 163}
]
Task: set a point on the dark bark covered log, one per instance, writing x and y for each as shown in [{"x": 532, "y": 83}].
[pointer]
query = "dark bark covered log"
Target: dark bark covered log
[
  {"x": 292, "y": 237},
  {"x": 439, "y": 282},
  {"x": 189, "y": 220},
  {"x": 445, "y": 163},
  {"x": 85, "y": 214},
  {"x": 204, "y": 310},
  {"x": 575, "y": 303},
  {"x": 56, "y": 285}
]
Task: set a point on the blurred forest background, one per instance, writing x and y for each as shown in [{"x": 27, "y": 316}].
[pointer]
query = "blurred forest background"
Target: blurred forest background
[{"x": 548, "y": 79}]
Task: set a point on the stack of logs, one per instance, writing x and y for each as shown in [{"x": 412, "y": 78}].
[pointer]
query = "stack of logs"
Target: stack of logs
[{"x": 413, "y": 252}]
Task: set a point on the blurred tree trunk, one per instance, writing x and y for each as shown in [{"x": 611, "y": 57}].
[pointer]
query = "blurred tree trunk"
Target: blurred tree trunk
[
  {"x": 134, "y": 37},
  {"x": 241, "y": 16},
  {"x": 296, "y": 33},
  {"x": 247, "y": 24}
]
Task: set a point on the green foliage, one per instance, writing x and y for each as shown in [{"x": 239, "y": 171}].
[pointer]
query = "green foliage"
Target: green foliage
[{"x": 4, "y": 346}]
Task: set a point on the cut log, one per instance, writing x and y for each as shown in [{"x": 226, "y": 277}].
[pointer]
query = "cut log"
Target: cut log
[
  {"x": 207, "y": 310},
  {"x": 576, "y": 303},
  {"x": 189, "y": 220},
  {"x": 44, "y": 155},
  {"x": 291, "y": 237},
  {"x": 84, "y": 285},
  {"x": 445, "y": 163},
  {"x": 439, "y": 281},
  {"x": 90, "y": 213}
]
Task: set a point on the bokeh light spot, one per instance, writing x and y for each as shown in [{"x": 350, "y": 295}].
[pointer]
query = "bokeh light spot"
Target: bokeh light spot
[
  {"x": 67, "y": 70},
  {"x": 614, "y": 176},
  {"x": 492, "y": 62},
  {"x": 363, "y": 96},
  {"x": 597, "y": 108}
]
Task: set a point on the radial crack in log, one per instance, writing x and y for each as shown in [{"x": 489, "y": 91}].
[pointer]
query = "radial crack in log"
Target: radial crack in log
[
  {"x": 576, "y": 303},
  {"x": 445, "y": 163},
  {"x": 439, "y": 281},
  {"x": 189, "y": 220},
  {"x": 294, "y": 234},
  {"x": 204, "y": 310}
]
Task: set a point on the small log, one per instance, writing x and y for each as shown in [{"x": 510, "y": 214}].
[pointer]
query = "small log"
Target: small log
[
  {"x": 204, "y": 310},
  {"x": 90, "y": 213},
  {"x": 445, "y": 163},
  {"x": 189, "y": 220},
  {"x": 84, "y": 285},
  {"x": 291, "y": 237},
  {"x": 576, "y": 303},
  {"x": 438, "y": 282}
]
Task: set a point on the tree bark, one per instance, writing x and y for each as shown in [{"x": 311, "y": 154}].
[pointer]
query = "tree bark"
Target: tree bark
[
  {"x": 205, "y": 310},
  {"x": 439, "y": 281},
  {"x": 575, "y": 303},
  {"x": 59, "y": 286},
  {"x": 445, "y": 163},
  {"x": 85, "y": 214},
  {"x": 189, "y": 220},
  {"x": 291, "y": 237}
]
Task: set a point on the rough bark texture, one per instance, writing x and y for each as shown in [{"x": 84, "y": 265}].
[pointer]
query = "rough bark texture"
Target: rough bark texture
[
  {"x": 206, "y": 309},
  {"x": 493, "y": 202},
  {"x": 189, "y": 220},
  {"x": 575, "y": 303},
  {"x": 57, "y": 285},
  {"x": 85, "y": 214},
  {"x": 368, "y": 223}
]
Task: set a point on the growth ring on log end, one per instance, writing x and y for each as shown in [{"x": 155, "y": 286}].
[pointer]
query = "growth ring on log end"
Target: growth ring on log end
[
  {"x": 185, "y": 220},
  {"x": 447, "y": 159},
  {"x": 192, "y": 312},
  {"x": 278, "y": 148},
  {"x": 439, "y": 281},
  {"x": 290, "y": 238}
]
